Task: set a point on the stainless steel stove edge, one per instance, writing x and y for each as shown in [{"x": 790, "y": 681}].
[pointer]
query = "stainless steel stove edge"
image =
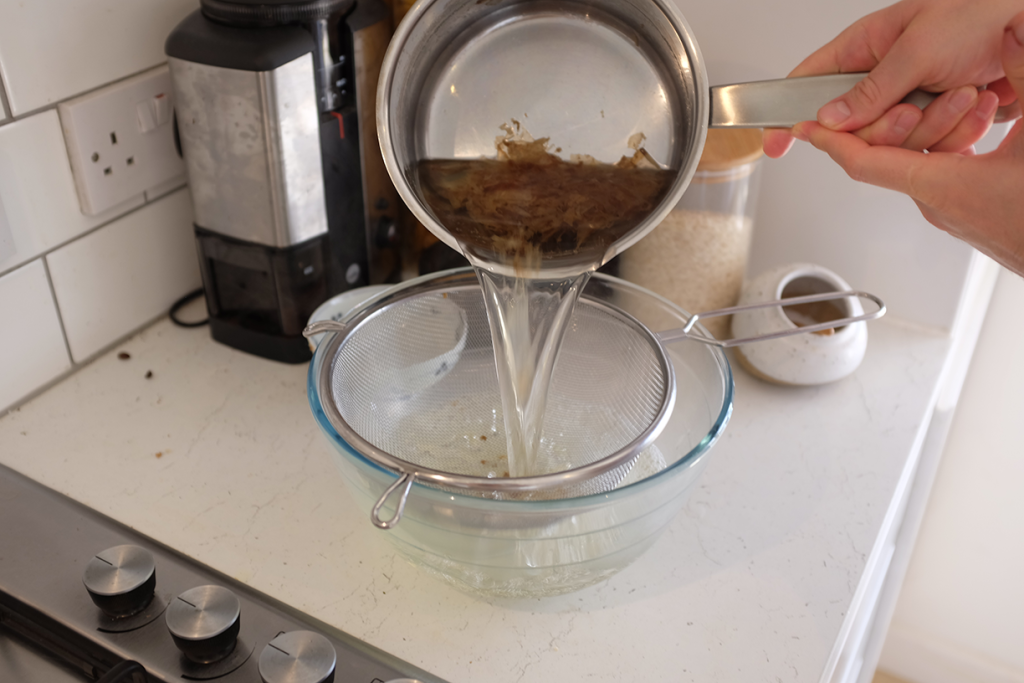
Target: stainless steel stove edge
[{"x": 46, "y": 541}]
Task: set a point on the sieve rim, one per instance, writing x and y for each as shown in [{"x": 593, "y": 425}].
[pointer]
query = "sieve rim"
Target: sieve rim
[
  {"x": 691, "y": 457},
  {"x": 460, "y": 280},
  {"x": 542, "y": 505}
]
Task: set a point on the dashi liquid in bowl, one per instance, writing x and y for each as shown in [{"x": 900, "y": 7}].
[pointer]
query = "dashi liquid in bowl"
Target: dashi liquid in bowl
[{"x": 533, "y": 548}]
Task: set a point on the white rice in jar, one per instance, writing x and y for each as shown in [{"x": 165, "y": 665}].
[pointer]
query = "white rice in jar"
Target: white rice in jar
[{"x": 697, "y": 257}]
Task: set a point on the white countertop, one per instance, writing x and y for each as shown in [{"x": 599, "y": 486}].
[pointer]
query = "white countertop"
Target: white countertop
[{"x": 217, "y": 455}]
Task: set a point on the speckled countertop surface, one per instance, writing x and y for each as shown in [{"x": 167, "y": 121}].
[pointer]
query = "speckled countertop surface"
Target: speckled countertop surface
[{"x": 217, "y": 455}]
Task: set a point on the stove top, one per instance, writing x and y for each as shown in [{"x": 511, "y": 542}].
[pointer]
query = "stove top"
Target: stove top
[{"x": 84, "y": 598}]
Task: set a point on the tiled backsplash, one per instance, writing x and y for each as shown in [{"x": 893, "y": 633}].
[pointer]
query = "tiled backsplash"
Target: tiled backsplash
[
  {"x": 7, "y": 250},
  {"x": 38, "y": 192},
  {"x": 3, "y": 98},
  {"x": 31, "y": 340},
  {"x": 52, "y": 50},
  {"x": 155, "y": 259},
  {"x": 72, "y": 285}
]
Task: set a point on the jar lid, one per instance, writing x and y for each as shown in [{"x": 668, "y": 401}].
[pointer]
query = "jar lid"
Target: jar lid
[{"x": 727, "y": 148}]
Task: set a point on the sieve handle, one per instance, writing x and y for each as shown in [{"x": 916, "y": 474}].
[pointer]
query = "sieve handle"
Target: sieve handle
[
  {"x": 785, "y": 102},
  {"x": 687, "y": 332},
  {"x": 407, "y": 480}
]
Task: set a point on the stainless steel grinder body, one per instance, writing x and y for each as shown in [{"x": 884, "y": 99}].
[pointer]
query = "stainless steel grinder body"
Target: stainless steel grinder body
[{"x": 268, "y": 113}]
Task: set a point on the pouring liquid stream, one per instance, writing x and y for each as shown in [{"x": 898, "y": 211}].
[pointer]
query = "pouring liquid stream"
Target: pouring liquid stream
[
  {"x": 535, "y": 227},
  {"x": 528, "y": 318}
]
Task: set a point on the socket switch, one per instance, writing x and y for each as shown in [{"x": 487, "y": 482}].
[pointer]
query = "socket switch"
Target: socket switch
[{"x": 120, "y": 140}]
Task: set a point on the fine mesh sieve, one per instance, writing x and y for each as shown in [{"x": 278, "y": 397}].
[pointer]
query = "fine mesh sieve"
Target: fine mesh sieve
[{"x": 409, "y": 381}]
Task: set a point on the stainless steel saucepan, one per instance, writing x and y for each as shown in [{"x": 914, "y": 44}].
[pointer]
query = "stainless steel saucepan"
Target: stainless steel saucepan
[
  {"x": 592, "y": 76},
  {"x": 589, "y": 75}
]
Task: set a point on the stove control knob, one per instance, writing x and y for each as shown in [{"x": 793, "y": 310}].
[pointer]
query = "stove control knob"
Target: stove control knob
[
  {"x": 204, "y": 623},
  {"x": 121, "y": 580},
  {"x": 298, "y": 657}
]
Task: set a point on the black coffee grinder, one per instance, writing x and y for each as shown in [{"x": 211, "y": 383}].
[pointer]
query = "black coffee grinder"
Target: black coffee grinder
[{"x": 275, "y": 118}]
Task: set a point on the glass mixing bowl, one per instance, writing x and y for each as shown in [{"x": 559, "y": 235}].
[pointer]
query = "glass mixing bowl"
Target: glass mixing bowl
[{"x": 534, "y": 548}]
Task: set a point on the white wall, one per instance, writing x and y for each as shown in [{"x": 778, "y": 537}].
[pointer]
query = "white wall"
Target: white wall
[
  {"x": 959, "y": 614},
  {"x": 72, "y": 285}
]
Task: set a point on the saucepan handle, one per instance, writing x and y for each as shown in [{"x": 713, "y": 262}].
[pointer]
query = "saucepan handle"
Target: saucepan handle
[{"x": 785, "y": 102}]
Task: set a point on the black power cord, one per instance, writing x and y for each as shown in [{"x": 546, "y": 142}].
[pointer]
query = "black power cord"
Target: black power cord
[{"x": 181, "y": 303}]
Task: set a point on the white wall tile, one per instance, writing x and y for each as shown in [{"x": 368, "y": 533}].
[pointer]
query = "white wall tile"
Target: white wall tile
[
  {"x": 125, "y": 274},
  {"x": 166, "y": 188},
  {"x": 32, "y": 350},
  {"x": 53, "y": 49},
  {"x": 7, "y": 248},
  {"x": 37, "y": 191}
]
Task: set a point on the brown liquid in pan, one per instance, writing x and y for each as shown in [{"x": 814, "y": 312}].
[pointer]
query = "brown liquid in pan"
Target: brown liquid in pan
[{"x": 533, "y": 207}]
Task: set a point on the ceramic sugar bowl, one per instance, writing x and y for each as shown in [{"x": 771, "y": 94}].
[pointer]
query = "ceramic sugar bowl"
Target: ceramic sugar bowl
[{"x": 804, "y": 359}]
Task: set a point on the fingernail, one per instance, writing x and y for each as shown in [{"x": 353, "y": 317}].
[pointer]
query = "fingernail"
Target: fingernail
[
  {"x": 962, "y": 99},
  {"x": 986, "y": 108},
  {"x": 1018, "y": 32},
  {"x": 798, "y": 133},
  {"x": 905, "y": 122},
  {"x": 834, "y": 113}
]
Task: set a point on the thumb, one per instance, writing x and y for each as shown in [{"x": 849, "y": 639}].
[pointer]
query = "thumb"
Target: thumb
[{"x": 1013, "y": 55}]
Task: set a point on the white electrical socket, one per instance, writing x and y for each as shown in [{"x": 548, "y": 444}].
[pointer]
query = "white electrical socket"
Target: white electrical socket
[{"x": 120, "y": 140}]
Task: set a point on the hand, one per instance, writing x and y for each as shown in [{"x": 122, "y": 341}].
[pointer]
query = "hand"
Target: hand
[
  {"x": 937, "y": 45},
  {"x": 952, "y": 123},
  {"x": 977, "y": 198}
]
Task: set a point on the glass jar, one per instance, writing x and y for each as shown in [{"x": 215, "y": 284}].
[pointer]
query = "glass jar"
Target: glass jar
[{"x": 697, "y": 256}]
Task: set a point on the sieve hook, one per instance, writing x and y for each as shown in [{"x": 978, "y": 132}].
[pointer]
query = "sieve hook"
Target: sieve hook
[
  {"x": 407, "y": 479},
  {"x": 323, "y": 327},
  {"x": 687, "y": 332}
]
